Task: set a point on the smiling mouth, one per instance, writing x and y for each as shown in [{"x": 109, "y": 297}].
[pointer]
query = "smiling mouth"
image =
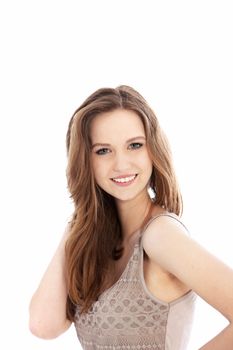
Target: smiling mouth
[{"x": 126, "y": 179}]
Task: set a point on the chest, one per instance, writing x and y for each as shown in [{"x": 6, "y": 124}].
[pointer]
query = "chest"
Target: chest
[
  {"x": 162, "y": 284},
  {"x": 118, "y": 267},
  {"x": 126, "y": 314},
  {"x": 124, "y": 311}
]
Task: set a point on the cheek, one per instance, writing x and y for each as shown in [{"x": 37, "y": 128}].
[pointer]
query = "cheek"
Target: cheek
[
  {"x": 148, "y": 167},
  {"x": 99, "y": 169},
  {"x": 145, "y": 162}
]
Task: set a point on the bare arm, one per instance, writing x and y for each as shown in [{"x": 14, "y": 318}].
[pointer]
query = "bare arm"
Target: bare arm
[
  {"x": 48, "y": 304},
  {"x": 166, "y": 242}
]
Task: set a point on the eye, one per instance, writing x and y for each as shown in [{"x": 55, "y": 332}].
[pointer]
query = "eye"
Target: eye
[
  {"x": 135, "y": 145},
  {"x": 102, "y": 151}
]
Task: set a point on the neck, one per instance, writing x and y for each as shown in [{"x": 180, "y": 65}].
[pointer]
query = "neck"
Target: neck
[{"x": 133, "y": 215}]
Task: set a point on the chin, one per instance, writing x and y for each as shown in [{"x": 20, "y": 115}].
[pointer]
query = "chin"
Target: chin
[{"x": 126, "y": 198}]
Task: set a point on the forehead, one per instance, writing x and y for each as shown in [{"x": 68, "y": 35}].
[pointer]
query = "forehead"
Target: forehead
[{"x": 117, "y": 124}]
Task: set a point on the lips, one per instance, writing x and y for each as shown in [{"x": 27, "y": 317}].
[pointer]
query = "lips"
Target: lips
[{"x": 124, "y": 179}]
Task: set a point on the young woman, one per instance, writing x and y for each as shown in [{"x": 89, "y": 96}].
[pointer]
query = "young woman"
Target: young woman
[{"x": 126, "y": 271}]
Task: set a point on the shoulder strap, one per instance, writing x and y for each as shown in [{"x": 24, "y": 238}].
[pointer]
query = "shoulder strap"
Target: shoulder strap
[{"x": 172, "y": 215}]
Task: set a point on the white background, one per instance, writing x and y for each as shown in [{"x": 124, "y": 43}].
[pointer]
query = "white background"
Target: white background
[{"x": 178, "y": 55}]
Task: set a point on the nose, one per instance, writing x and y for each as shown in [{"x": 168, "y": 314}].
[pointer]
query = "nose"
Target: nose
[{"x": 121, "y": 162}]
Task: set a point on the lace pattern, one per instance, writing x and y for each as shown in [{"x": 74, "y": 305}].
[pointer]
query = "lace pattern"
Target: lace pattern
[{"x": 124, "y": 317}]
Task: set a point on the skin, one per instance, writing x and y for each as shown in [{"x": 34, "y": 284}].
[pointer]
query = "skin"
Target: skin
[
  {"x": 119, "y": 150},
  {"x": 175, "y": 263}
]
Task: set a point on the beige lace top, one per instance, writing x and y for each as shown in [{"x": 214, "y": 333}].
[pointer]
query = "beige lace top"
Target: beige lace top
[{"x": 128, "y": 316}]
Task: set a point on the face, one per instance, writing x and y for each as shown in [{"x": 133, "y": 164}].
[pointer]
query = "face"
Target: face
[{"x": 119, "y": 155}]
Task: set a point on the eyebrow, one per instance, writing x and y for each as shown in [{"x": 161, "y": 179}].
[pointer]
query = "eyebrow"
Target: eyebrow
[{"x": 128, "y": 141}]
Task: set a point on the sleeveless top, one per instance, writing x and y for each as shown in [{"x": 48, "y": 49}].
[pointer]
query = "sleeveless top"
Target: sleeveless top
[{"x": 128, "y": 316}]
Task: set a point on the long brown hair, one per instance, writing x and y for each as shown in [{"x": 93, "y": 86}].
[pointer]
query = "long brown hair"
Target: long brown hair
[{"x": 95, "y": 230}]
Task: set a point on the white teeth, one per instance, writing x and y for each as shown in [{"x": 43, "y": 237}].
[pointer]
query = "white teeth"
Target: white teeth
[{"x": 125, "y": 179}]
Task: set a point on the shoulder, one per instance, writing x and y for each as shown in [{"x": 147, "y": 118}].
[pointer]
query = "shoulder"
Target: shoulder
[
  {"x": 164, "y": 238},
  {"x": 162, "y": 234},
  {"x": 163, "y": 226}
]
